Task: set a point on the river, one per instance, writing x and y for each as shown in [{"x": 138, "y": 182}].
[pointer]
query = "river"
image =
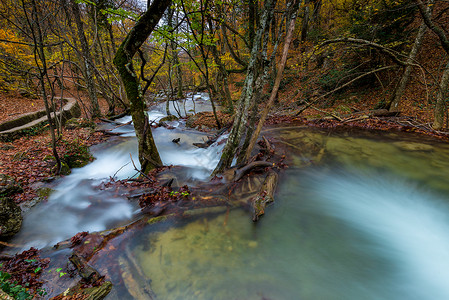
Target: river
[{"x": 358, "y": 215}]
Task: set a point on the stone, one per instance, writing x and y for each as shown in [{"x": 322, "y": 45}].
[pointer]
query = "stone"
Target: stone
[
  {"x": 8, "y": 186},
  {"x": 169, "y": 118},
  {"x": 10, "y": 218}
]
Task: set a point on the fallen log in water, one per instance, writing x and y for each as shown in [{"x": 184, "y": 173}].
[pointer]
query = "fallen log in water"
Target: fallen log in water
[
  {"x": 92, "y": 286},
  {"x": 265, "y": 196},
  {"x": 85, "y": 271}
]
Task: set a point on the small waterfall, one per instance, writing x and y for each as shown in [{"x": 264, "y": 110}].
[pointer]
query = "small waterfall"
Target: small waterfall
[{"x": 77, "y": 205}]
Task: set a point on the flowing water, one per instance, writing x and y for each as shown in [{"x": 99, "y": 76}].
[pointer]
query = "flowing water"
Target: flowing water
[
  {"x": 77, "y": 205},
  {"x": 357, "y": 216},
  {"x": 370, "y": 220}
]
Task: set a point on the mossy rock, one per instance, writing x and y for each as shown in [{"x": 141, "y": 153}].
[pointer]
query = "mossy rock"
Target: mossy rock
[
  {"x": 65, "y": 169},
  {"x": 10, "y": 217},
  {"x": 8, "y": 186},
  {"x": 44, "y": 192},
  {"x": 169, "y": 118},
  {"x": 191, "y": 121},
  {"x": 77, "y": 160},
  {"x": 77, "y": 155}
]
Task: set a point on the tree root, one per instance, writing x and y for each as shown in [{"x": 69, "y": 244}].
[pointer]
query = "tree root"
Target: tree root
[{"x": 265, "y": 196}]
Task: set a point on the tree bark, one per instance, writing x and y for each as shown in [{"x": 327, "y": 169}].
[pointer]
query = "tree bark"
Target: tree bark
[
  {"x": 288, "y": 39},
  {"x": 175, "y": 59},
  {"x": 395, "y": 100},
  {"x": 88, "y": 63},
  {"x": 440, "y": 106},
  {"x": 148, "y": 155},
  {"x": 246, "y": 98},
  {"x": 39, "y": 54}
]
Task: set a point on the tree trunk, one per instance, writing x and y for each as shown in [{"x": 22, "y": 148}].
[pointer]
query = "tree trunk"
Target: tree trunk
[
  {"x": 223, "y": 87},
  {"x": 440, "y": 107},
  {"x": 305, "y": 23},
  {"x": 148, "y": 155},
  {"x": 39, "y": 54},
  {"x": 88, "y": 64},
  {"x": 288, "y": 39},
  {"x": 395, "y": 100},
  {"x": 246, "y": 97},
  {"x": 175, "y": 58}
]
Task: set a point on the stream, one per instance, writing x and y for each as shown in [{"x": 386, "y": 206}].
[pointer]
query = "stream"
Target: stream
[{"x": 358, "y": 215}]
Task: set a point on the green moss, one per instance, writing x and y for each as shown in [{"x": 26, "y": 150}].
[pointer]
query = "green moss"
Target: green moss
[
  {"x": 157, "y": 219},
  {"x": 44, "y": 192},
  {"x": 65, "y": 169},
  {"x": 76, "y": 154}
]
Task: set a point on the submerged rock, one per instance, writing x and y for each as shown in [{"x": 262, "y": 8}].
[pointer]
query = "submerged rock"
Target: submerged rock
[
  {"x": 10, "y": 217},
  {"x": 410, "y": 146}
]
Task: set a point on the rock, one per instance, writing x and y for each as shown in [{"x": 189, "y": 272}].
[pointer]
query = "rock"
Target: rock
[
  {"x": 169, "y": 118},
  {"x": 26, "y": 206},
  {"x": 10, "y": 217},
  {"x": 190, "y": 122},
  {"x": 65, "y": 169},
  {"x": 8, "y": 186}
]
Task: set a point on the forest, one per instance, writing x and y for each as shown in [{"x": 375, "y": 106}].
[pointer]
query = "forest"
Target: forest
[{"x": 167, "y": 119}]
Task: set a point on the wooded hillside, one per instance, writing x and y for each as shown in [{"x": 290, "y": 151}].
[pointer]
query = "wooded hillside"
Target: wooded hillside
[{"x": 341, "y": 56}]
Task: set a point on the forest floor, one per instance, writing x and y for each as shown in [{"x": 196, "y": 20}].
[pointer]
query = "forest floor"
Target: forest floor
[{"x": 28, "y": 159}]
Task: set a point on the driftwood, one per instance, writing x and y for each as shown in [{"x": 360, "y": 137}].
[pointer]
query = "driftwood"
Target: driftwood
[
  {"x": 239, "y": 173},
  {"x": 85, "y": 271},
  {"x": 108, "y": 132},
  {"x": 125, "y": 113},
  {"x": 265, "y": 196},
  {"x": 211, "y": 139},
  {"x": 91, "y": 293},
  {"x": 98, "y": 289},
  {"x": 109, "y": 121}
]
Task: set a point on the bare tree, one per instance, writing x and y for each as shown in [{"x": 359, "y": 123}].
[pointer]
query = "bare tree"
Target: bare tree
[
  {"x": 440, "y": 107},
  {"x": 400, "y": 89}
]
